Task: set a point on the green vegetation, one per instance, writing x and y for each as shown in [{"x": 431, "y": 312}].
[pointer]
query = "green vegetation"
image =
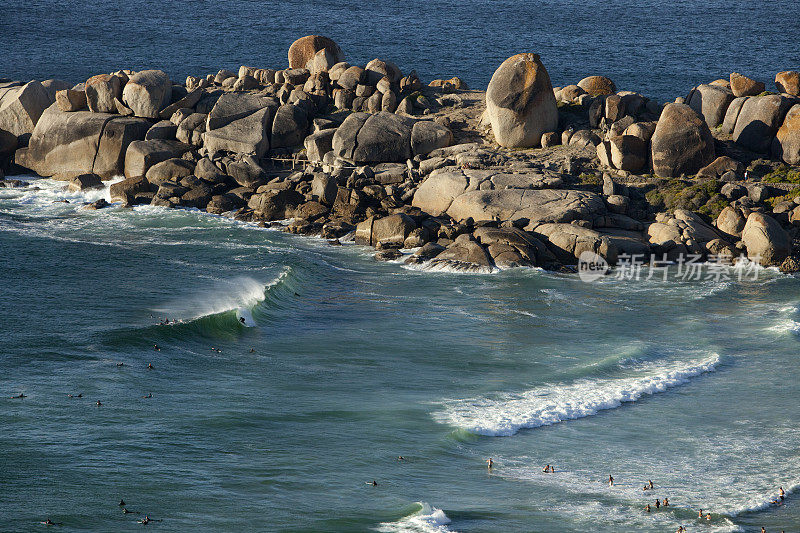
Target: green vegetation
[
  {"x": 782, "y": 174},
  {"x": 702, "y": 197},
  {"x": 775, "y": 200},
  {"x": 590, "y": 180}
]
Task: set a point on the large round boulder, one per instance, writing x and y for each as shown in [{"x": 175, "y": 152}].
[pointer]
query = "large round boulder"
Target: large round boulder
[
  {"x": 711, "y": 102},
  {"x": 597, "y": 85},
  {"x": 520, "y": 102},
  {"x": 147, "y": 93},
  {"x": 305, "y": 48},
  {"x": 765, "y": 239},
  {"x": 759, "y": 120},
  {"x": 681, "y": 143},
  {"x": 731, "y": 221}
]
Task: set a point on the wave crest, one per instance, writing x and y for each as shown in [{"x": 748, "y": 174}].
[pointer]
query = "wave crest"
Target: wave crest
[
  {"x": 546, "y": 405},
  {"x": 427, "y": 519}
]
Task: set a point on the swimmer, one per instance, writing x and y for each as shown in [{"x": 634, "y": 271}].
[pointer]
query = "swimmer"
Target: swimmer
[
  {"x": 650, "y": 482},
  {"x": 252, "y": 350},
  {"x": 708, "y": 516},
  {"x": 610, "y": 481},
  {"x": 658, "y": 503},
  {"x": 647, "y": 508},
  {"x": 401, "y": 458},
  {"x": 645, "y": 487},
  {"x": 700, "y": 514},
  {"x": 665, "y": 503},
  {"x": 552, "y": 469},
  {"x": 490, "y": 463},
  {"x": 150, "y": 366},
  {"x": 98, "y": 404}
]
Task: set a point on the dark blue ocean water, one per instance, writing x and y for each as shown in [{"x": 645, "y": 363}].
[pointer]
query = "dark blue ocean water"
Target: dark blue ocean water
[{"x": 661, "y": 49}]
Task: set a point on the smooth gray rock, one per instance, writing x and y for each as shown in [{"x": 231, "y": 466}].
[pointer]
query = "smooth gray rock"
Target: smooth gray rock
[
  {"x": 681, "y": 143},
  {"x": 21, "y": 106},
  {"x": 64, "y": 145},
  {"x": 537, "y": 206},
  {"x": 147, "y": 93},
  {"x": 248, "y": 135},
  {"x": 141, "y": 155},
  {"x": 289, "y": 127},
  {"x": 759, "y": 120}
]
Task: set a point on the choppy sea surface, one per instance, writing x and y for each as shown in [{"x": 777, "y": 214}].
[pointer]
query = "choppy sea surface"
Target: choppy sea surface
[
  {"x": 343, "y": 364},
  {"x": 661, "y": 49}
]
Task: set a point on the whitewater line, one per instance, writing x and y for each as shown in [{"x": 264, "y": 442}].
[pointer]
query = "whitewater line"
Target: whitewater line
[{"x": 547, "y": 405}]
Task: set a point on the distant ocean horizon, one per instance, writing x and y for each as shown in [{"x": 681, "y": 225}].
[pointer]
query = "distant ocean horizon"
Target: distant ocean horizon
[{"x": 659, "y": 49}]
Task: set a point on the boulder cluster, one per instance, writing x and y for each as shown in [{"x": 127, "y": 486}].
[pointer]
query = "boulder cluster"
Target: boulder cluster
[{"x": 367, "y": 153}]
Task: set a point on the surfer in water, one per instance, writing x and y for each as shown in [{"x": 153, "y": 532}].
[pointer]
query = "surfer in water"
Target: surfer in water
[
  {"x": 98, "y": 404},
  {"x": 122, "y": 503},
  {"x": 156, "y": 348},
  {"x": 610, "y": 481},
  {"x": 490, "y": 463},
  {"x": 373, "y": 483},
  {"x": 241, "y": 319},
  {"x": 546, "y": 469},
  {"x": 18, "y": 396},
  {"x": 149, "y": 395},
  {"x": 783, "y": 493},
  {"x": 150, "y": 366},
  {"x": 79, "y": 395}
]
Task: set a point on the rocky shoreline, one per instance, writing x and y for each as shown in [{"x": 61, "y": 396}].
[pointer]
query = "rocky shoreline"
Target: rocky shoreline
[{"x": 522, "y": 174}]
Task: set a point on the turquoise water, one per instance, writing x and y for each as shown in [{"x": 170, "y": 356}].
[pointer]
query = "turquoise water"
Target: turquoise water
[{"x": 346, "y": 363}]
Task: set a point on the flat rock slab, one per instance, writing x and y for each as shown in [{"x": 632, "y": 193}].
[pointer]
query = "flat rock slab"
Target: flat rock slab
[
  {"x": 528, "y": 205},
  {"x": 437, "y": 192}
]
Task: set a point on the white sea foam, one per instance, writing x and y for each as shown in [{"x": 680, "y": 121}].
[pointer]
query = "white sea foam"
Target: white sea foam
[
  {"x": 451, "y": 268},
  {"x": 428, "y": 519},
  {"x": 45, "y": 192},
  {"x": 786, "y": 326},
  {"x": 545, "y": 405}
]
